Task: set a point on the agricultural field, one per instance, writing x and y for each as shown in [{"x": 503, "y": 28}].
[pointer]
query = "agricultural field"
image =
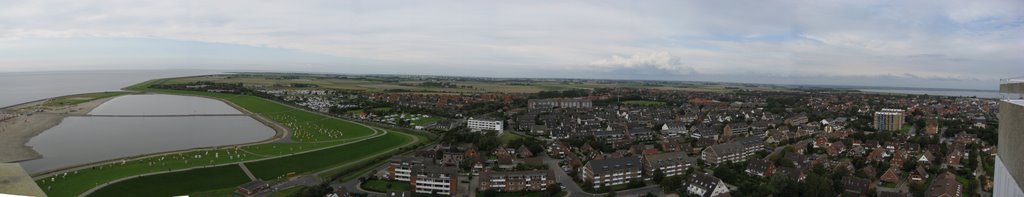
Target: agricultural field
[{"x": 383, "y": 83}]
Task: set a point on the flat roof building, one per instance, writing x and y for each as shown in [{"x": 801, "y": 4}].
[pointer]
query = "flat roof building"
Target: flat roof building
[
  {"x": 484, "y": 124},
  {"x": 559, "y": 103}
]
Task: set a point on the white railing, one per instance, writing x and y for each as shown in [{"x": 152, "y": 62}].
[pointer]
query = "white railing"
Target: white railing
[{"x": 1016, "y": 92}]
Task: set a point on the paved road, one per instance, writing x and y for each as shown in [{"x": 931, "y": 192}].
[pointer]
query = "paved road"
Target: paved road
[
  {"x": 304, "y": 180},
  {"x": 562, "y": 177}
]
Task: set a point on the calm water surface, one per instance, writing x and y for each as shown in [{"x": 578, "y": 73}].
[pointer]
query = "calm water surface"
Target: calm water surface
[
  {"x": 162, "y": 104},
  {"x": 979, "y": 94},
  {"x": 20, "y": 87},
  {"x": 80, "y": 140}
]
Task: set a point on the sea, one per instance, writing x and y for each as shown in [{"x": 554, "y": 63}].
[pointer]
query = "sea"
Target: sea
[
  {"x": 22, "y": 87},
  {"x": 937, "y": 92}
]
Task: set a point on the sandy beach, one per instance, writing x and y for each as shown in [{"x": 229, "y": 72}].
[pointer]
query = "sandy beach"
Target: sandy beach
[{"x": 17, "y": 131}]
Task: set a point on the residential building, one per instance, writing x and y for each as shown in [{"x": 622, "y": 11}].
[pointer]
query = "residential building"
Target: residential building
[
  {"x": 612, "y": 171},
  {"x": 435, "y": 179},
  {"x": 252, "y": 188},
  {"x": 735, "y": 129},
  {"x": 945, "y": 185},
  {"x": 889, "y": 119},
  {"x": 559, "y": 103},
  {"x": 735, "y": 151},
  {"x": 673, "y": 129},
  {"x": 931, "y": 126},
  {"x": 483, "y": 124},
  {"x": 853, "y": 186},
  {"x": 513, "y": 181},
  {"x": 400, "y": 168},
  {"x": 706, "y": 185},
  {"x": 1009, "y": 175},
  {"x": 760, "y": 168},
  {"x": 669, "y": 163}
]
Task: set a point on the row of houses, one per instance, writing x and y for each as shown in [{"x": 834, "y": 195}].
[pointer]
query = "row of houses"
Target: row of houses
[{"x": 624, "y": 170}]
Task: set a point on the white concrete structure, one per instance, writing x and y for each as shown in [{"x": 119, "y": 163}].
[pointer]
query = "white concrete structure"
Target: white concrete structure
[
  {"x": 477, "y": 124},
  {"x": 1009, "y": 175}
]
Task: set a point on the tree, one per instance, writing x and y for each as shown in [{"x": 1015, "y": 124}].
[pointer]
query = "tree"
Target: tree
[
  {"x": 818, "y": 186},
  {"x": 321, "y": 189},
  {"x": 671, "y": 183},
  {"x": 918, "y": 189},
  {"x": 909, "y": 166},
  {"x": 658, "y": 175},
  {"x": 554, "y": 189}
]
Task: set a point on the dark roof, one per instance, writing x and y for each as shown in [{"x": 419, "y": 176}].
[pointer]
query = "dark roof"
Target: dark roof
[
  {"x": 704, "y": 180},
  {"x": 608, "y": 165},
  {"x": 254, "y": 185},
  {"x": 749, "y": 141},
  {"x": 668, "y": 158},
  {"x": 640, "y": 130},
  {"x": 435, "y": 170},
  {"x": 758, "y": 166},
  {"x": 727, "y": 148},
  {"x": 736, "y": 146},
  {"x": 788, "y": 172},
  {"x": 515, "y": 174},
  {"x": 945, "y": 183},
  {"x": 854, "y": 185}
]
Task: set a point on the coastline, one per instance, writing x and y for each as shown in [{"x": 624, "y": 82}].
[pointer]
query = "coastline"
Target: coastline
[
  {"x": 282, "y": 135},
  {"x": 31, "y": 120}
]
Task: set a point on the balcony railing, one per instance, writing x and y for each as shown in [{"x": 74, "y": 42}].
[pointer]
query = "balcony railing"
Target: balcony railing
[{"x": 1012, "y": 89}]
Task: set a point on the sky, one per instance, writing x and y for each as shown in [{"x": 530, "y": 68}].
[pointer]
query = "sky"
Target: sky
[{"x": 934, "y": 43}]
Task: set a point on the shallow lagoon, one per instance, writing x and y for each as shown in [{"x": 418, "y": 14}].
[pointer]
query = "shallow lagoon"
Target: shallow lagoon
[{"x": 80, "y": 140}]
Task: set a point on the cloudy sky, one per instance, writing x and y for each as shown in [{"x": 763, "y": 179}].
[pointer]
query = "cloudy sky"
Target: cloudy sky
[{"x": 958, "y": 44}]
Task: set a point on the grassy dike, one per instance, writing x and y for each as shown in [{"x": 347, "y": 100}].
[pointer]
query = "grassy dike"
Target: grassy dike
[{"x": 274, "y": 159}]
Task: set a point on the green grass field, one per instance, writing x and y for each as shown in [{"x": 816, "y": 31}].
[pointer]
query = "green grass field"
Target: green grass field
[
  {"x": 81, "y": 98},
  {"x": 507, "y": 137},
  {"x": 214, "y": 193},
  {"x": 179, "y": 183},
  {"x": 287, "y": 192},
  {"x": 385, "y": 185},
  {"x": 77, "y": 182},
  {"x": 326, "y": 158},
  {"x": 310, "y": 130},
  {"x": 427, "y": 120}
]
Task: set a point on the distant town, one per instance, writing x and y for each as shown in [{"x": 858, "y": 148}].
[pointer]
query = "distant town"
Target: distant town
[{"x": 651, "y": 139}]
